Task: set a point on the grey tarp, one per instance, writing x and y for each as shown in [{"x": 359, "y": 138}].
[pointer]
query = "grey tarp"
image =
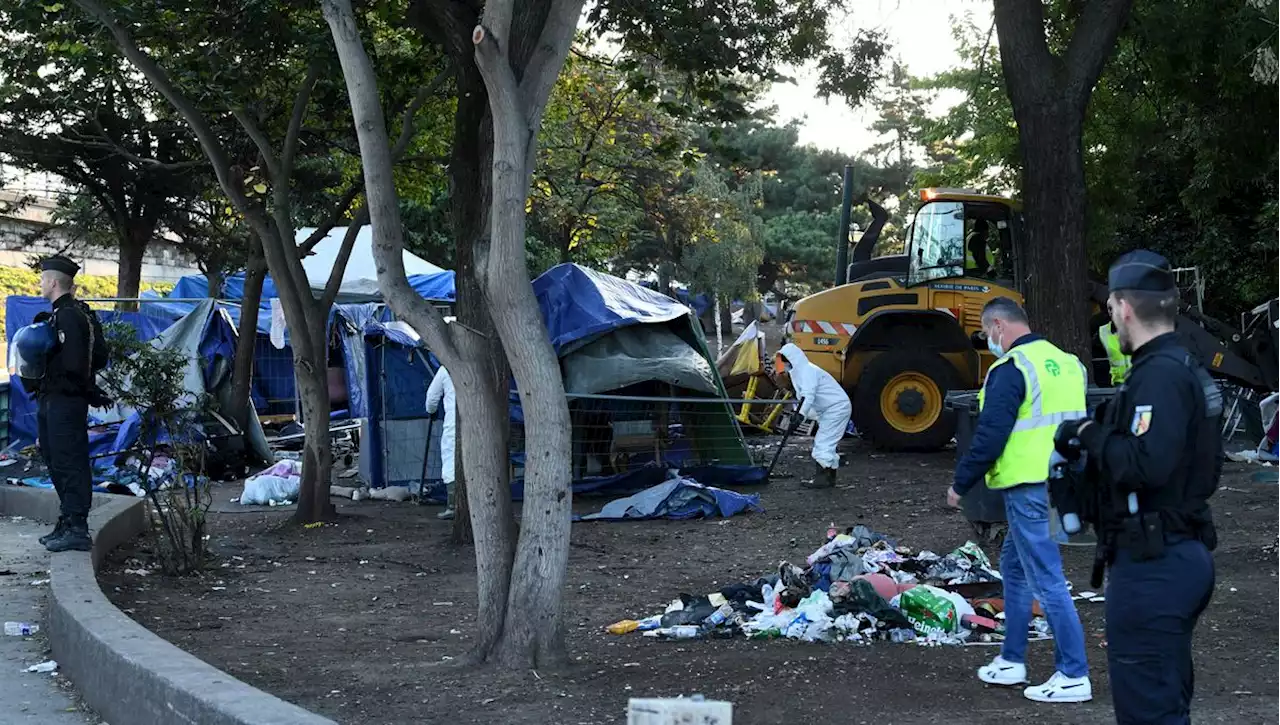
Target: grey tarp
[
  {"x": 637, "y": 354},
  {"x": 186, "y": 336}
]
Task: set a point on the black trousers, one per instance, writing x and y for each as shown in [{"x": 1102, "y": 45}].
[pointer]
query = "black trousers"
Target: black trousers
[
  {"x": 1152, "y": 610},
  {"x": 62, "y": 423}
]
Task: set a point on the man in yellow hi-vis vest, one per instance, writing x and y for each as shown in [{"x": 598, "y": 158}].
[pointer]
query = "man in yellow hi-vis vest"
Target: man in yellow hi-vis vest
[
  {"x": 1030, "y": 389},
  {"x": 1116, "y": 358}
]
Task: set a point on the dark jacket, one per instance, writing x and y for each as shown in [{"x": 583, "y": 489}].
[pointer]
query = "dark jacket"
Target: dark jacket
[
  {"x": 70, "y": 368},
  {"x": 1005, "y": 391},
  {"x": 1161, "y": 436}
]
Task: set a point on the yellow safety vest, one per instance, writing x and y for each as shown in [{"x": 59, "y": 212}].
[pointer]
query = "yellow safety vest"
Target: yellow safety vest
[
  {"x": 970, "y": 263},
  {"x": 1055, "y": 384},
  {"x": 1119, "y": 361}
]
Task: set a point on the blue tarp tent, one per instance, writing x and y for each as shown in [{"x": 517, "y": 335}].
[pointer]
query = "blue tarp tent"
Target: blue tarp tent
[
  {"x": 21, "y": 311},
  {"x": 205, "y": 336},
  {"x": 274, "y": 389}
]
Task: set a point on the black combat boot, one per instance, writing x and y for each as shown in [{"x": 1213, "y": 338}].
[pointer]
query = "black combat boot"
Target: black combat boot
[
  {"x": 75, "y": 537},
  {"x": 57, "y": 531}
]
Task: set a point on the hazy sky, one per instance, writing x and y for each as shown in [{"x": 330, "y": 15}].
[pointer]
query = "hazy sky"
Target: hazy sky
[{"x": 920, "y": 34}]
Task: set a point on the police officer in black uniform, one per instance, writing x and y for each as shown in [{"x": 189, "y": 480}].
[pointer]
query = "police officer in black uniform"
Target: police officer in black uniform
[
  {"x": 62, "y": 415},
  {"x": 1156, "y": 453}
]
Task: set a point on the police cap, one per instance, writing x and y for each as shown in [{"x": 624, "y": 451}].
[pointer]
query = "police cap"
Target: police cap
[
  {"x": 59, "y": 263},
  {"x": 1141, "y": 270}
]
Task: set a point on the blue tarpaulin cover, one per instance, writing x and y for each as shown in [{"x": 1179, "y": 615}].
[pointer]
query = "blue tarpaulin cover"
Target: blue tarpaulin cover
[
  {"x": 579, "y": 304},
  {"x": 678, "y": 498}
]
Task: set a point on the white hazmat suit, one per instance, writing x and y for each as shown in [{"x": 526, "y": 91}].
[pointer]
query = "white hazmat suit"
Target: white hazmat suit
[
  {"x": 824, "y": 401},
  {"x": 441, "y": 392}
]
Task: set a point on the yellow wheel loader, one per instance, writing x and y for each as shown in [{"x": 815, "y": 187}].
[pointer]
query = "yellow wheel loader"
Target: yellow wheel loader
[{"x": 899, "y": 332}]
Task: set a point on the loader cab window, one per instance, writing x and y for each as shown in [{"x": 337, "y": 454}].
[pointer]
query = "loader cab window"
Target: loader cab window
[
  {"x": 957, "y": 239},
  {"x": 937, "y": 242}
]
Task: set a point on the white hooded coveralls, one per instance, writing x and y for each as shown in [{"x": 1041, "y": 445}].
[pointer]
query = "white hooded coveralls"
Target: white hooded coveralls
[
  {"x": 441, "y": 390},
  {"x": 824, "y": 401}
]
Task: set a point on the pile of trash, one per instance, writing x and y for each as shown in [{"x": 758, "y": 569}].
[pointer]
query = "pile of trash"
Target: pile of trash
[{"x": 858, "y": 587}]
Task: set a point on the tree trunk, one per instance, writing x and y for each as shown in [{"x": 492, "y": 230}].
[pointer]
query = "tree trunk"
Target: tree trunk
[
  {"x": 247, "y": 338},
  {"x": 133, "y": 247},
  {"x": 217, "y": 279},
  {"x": 465, "y": 350},
  {"x": 1049, "y": 95},
  {"x": 470, "y": 196},
  {"x": 1054, "y": 189},
  {"x": 317, "y": 456},
  {"x": 534, "y": 638}
]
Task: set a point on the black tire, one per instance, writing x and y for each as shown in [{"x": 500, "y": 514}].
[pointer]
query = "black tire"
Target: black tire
[{"x": 870, "y": 418}]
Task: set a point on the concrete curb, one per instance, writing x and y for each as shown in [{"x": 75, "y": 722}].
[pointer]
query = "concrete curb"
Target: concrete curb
[{"x": 126, "y": 673}]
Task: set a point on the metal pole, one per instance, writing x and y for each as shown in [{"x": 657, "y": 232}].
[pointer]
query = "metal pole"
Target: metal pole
[
  {"x": 191, "y": 300},
  {"x": 781, "y": 445},
  {"x": 842, "y": 243},
  {"x": 650, "y": 399}
]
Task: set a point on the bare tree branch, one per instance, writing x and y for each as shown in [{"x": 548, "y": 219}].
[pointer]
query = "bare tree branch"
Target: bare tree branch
[
  {"x": 262, "y": 142},
  {"x": 406, "y": 123},
  {"x": 218, "y": 157},
  {"x": 402, "y": 143},
  {"x": 119, "y": 150},
  {"x": 339, "y": 211},
  {"x": 300, "y": 103},
  {"x": 334, "y": 282}
]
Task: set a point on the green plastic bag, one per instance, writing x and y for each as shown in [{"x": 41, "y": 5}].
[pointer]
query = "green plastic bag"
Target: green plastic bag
[{"x": 929, "y": 610}]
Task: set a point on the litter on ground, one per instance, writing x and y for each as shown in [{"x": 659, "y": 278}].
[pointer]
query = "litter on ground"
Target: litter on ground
[{"x": 858, "y": 587}]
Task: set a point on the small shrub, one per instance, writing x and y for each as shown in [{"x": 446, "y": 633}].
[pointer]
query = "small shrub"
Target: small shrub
[{"x": 170, "y": 454}]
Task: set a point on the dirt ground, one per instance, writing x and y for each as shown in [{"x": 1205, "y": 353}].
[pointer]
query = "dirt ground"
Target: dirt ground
[{"x": 360, "y": 620}]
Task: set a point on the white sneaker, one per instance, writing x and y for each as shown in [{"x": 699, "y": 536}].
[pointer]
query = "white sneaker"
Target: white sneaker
[
  {"x": 1003, "y": 672},
  {"x": 1061, "y": 688}
]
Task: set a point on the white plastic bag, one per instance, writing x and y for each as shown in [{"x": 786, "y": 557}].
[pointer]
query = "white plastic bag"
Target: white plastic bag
[{"x": 262, "y": 489}]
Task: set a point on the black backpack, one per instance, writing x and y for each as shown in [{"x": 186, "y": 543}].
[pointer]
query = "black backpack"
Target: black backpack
[{"x": 101, "y": 353}]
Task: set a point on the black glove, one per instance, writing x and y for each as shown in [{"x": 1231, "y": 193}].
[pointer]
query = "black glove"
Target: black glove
[
  {"x": 1066, "y": 441},
  {"x": 42, "y": 317}
]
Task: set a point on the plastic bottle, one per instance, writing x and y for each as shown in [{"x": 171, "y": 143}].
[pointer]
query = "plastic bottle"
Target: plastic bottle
[
  {"x": 681, "y": 631},
  {"x": 20, "y": 629},
  {"x": 719, "y": 616},
  {"x": 649, "y": 623}
]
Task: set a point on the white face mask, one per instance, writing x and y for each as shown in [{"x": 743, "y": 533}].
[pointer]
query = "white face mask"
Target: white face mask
[{"x": 996, "y": 348}]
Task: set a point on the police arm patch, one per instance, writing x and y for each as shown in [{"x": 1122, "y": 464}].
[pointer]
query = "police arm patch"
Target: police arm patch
[{"x": 1141, "y": 420}]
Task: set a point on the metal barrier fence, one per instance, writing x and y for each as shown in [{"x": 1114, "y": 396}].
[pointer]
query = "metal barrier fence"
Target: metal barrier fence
[
  {"x": 615, "y": 434},
  {"x": 611, "y": 434}
]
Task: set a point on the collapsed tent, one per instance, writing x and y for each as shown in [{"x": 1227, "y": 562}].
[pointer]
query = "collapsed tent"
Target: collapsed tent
[{"x": 205, "y": 338}]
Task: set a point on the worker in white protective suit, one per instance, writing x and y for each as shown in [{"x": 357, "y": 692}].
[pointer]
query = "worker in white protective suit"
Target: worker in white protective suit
[
  {"x": 441, "y": 392},
  {"x": 824, "y": 401}
]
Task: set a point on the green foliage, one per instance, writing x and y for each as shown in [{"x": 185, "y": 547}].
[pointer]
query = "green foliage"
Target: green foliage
[
  {"x": 1180, "y": 142},
  {"x": 721, "y": 50},
  {"x": 598, "y": 135},
  {"x": 726, "y": 243},
  {"x": 799, "y": 198},
  {"x": 26, "y": 282},
  {"x": 150, "y": 380}
]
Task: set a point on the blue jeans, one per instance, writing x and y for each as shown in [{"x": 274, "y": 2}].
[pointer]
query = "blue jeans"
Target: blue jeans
[
  {"x": 1152, "y": 610},
  {"x": 1032, "y": 568}
]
